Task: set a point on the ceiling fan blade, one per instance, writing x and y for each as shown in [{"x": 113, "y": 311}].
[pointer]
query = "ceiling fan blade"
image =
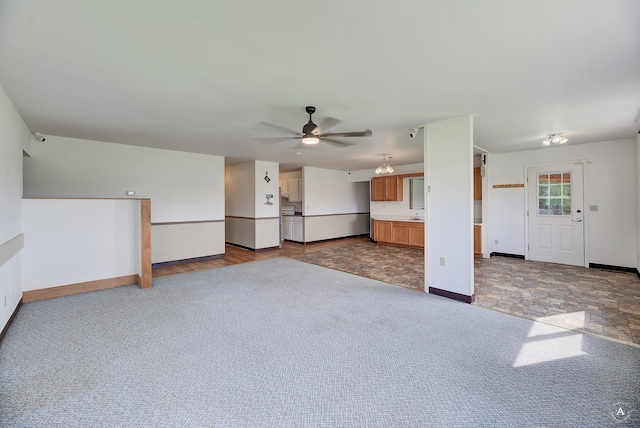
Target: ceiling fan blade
[
  {"x": 328, "y": 123},
  {"x": 274, "y": 139},
  {"x": 366, "y": 133},
  {"x": 279, "y": 128},
  {"x": 337, "y": 143}
]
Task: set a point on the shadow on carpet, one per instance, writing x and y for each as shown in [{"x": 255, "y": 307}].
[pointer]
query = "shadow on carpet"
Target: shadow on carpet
[{"x": 402, "y": 266}]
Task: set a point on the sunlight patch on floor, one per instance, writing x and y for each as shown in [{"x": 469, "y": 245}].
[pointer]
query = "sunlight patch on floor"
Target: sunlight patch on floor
[{"x": 549, "y": 343}]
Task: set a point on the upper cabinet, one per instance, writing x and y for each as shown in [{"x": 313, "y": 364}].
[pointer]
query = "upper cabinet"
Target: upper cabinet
[
  {"x": 477, "y": 184},
  {"x": 387, "y": 188},
  {"x": 294, "y": 189}
]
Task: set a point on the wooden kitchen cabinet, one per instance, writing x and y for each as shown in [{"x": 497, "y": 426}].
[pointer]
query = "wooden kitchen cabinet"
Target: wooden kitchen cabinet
[
  {"x": 408, "y": 233},
  {"x": 416, "y": 235},
  {"x": 477, "y": 184},
  {"x": 400, "y": 233},
  {"x": 387, "y": 188},
  {"x": 382, "y": 231},
  {"x": 477, "y": 241}
]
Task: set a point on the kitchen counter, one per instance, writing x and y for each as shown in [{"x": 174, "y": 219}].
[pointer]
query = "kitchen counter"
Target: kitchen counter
[
  {"x": 419, "y": 220},
  {"x": 399, "y": 218}
]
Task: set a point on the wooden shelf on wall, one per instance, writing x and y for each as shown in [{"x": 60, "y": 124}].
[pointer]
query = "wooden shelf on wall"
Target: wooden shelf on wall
[{"x": 507, "y": 186}]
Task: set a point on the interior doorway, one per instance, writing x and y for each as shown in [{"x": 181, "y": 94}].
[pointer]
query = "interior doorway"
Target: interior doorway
[{"x": 556, "y": 213}]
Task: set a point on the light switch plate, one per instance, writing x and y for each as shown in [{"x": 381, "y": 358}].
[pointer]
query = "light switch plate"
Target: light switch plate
[{"x": 593, "y": 208}]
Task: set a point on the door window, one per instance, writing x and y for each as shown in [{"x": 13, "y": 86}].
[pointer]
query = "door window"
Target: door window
[{"x": 554, "y": 194}]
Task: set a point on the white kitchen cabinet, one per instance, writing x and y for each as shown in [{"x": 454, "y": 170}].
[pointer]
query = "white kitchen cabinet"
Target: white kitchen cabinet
[
  {"x": 287, "y": 228},
  {"x": 284, "y": 189},
  {"x": 294, "y": 188},
  {"x": 292, "y": 228},
  {"x": 297, "y": 229}
]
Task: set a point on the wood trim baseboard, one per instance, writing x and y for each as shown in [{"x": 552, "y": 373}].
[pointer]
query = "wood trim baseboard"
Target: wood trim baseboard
[
  {"x": 79, "y": 288},
  {"x": 452, "y": 295},
  {"x": 10, "y": 321},
  {"x": 146, "y": 275}
]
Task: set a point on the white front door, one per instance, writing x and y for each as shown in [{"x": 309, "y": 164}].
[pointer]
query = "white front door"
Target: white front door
[{"x": 556, "y": 214}]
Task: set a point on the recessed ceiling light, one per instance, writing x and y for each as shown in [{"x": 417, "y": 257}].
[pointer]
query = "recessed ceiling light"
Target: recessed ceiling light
[{"x": 298, "y": 153}]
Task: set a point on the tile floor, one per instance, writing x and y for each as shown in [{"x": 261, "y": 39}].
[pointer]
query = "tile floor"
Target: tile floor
[
  {"x": 594, "y": 301},
  {"x": 597, "y": 301}
]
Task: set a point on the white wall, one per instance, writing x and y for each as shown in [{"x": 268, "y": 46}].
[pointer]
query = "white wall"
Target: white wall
[
  {"x": 183, "y": 187},
  {"x": 267, "y": 233},
  {"x": 328, "y": 191},
  {"x": 14, "y": 138},
  {"x": 79, "y": 241},
  {"x": 250, "y": 221},
  {"x": 638, "y": 202},
  {"x": 610, "y": 182},
  {"x": 263, "y": 188},
  {"x": 334, "y": 206},
  {"x": 241, "y": 231},
  {"x": 318, "y": 228},
  {"x": 449, "y": 205},
  {"x": 267, "y": 216},
  {"x": 197, "y": 239},
  {"x": 240, "y": 183}
]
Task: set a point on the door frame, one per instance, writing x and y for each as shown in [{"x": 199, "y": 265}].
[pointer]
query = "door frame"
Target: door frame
[{"x": 585, "y": 211}]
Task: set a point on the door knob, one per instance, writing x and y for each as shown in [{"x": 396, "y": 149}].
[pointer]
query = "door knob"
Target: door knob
[{"x": 577, "y": 220}]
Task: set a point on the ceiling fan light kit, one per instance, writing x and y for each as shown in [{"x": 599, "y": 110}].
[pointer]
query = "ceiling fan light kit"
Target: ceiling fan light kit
[
  {"x": 556, "y": 138},
  {"x": 310, "y": 139}
]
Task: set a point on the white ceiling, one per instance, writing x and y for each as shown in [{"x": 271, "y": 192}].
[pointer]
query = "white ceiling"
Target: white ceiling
[{"x": 200, "y": 76}]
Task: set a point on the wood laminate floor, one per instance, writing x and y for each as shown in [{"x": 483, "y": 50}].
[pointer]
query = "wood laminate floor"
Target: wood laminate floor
[{"x": 594, "y": 301}]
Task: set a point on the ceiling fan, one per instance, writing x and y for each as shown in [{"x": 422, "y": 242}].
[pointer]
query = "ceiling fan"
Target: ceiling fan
[{"x": 312, "y": 134}]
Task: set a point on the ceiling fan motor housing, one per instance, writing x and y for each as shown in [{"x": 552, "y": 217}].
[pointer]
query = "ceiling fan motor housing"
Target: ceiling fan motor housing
[{"x": 310, "y": 127}]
